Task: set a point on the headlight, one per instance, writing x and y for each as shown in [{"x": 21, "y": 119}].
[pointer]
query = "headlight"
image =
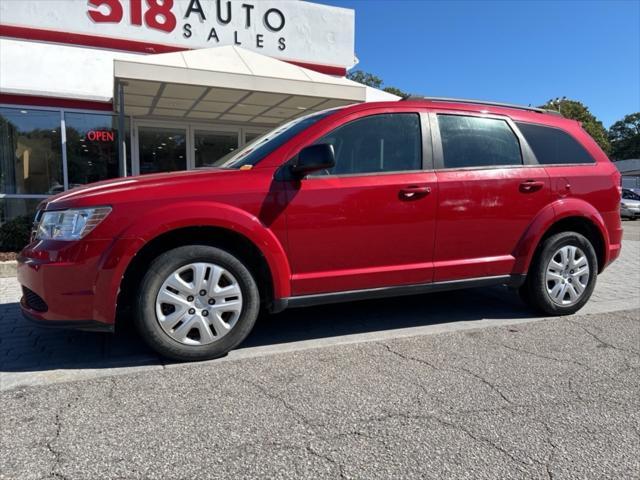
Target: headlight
[{"x": 72, "y": 224}]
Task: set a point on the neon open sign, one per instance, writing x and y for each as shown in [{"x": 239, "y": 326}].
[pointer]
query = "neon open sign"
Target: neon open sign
[{"x": 100, "y": 136}]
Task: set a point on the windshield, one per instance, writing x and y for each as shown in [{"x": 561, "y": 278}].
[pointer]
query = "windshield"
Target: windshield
[
  {"x": 262, "y": 146},
  {"x": 630, "y": 195}
]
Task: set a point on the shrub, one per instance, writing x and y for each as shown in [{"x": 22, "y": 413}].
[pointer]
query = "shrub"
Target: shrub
[{"x": 14, "y": 234}]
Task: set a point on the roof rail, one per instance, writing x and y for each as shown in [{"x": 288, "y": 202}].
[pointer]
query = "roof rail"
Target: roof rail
[{"x": 483, "y": 102}]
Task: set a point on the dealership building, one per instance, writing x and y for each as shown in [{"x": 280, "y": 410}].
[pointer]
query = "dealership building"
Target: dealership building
[{"x": 98, "y": 89}]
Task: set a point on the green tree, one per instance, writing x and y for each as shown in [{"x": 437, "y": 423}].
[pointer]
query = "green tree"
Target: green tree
[
  {"x": 365, "y": 78},
  {"x": 576, "y": 110},
  {"x": 374, "y": 81},
  {"x": 624, "y": 136},
  {"x": 396, "y": 91}
]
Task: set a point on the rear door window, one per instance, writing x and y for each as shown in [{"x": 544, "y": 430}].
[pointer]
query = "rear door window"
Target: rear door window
[
  {"x": 478, "y": 142},
  {"x": 553, "y": 146}
]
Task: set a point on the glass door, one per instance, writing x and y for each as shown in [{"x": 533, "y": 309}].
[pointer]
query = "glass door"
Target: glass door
[
  {"x": 161, "y": 148},
  {"x": 166, "y": 147},
  {"x": 250, "y": 135},
  {"x": 211, "y": 145}
]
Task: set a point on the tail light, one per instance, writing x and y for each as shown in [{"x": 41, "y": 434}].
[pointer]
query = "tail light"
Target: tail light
[{"x": 617, "y": 180}]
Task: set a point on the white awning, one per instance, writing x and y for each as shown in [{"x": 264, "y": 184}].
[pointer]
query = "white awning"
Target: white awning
[{"x": 228, "y": 84}]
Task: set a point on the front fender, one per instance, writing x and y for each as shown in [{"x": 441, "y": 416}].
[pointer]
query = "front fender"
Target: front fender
[
  {"x": 188, "y": 214},
  {"x": 546, "y": 218}
]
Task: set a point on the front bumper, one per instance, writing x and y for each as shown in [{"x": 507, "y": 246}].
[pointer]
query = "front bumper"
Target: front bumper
[
  {"x": 59, "y": 283},
  {"x": 84, "y": 325}
]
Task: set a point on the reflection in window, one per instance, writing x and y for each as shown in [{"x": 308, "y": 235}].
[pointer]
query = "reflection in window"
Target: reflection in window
[
  {"x": 251, "y": 136},
  {"x": 553, "y": 146},
  {"x": 92, "y": 147},
  {"x": 12, "y": 208},
  {"x": 30, "y": 152},
  {"x": 212, "y": 146},
  {"x": 379, "y": 143},
  {"x": 162, "y": 149},
  {"x": 477, "y": 142}
]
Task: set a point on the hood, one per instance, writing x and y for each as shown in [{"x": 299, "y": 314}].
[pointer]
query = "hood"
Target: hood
[{"x": 121, "y": 189}]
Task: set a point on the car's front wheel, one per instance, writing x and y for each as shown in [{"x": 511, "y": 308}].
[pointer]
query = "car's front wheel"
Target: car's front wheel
[
  {"x": 562, "y": 275},
  {"x": 196, "y": 303}
]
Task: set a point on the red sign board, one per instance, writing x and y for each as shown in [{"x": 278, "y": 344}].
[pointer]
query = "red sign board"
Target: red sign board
[{"x": 100, "y": 135}]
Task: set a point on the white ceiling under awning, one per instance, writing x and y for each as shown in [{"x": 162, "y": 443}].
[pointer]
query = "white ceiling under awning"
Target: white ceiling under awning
[{"x": 228, "y": 84}]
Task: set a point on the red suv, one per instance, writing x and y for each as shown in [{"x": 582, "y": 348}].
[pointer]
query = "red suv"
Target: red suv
[{"x": 370, "y": 200}]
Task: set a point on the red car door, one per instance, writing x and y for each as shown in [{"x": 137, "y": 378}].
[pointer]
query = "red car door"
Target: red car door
[
  {"x": 490, "y": 190},
  {"x": 370, "y": 221}
]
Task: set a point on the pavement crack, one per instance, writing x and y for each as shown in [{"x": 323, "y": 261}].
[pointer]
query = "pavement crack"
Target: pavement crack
[
  {"x": 550, "y": 458},
  {"x": 601, "y": 342},
  {"x": 548, "y": 462},
  {"x": 484, "y": 441},
  {"x": 408, "y": 357},
  {"x": 52, "y": 444},
  {"x": 112, "y": 387},
  {"x": 299, "y": 416},
  {"x": 487, "y": 383},
  {"x": 455, "y": 426},
  {"x": 541, "y": 356},
  {"x": 328, "y": 459}
]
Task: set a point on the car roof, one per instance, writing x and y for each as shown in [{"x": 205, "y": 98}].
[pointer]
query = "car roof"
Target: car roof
[{"x": 515, "y": 112}]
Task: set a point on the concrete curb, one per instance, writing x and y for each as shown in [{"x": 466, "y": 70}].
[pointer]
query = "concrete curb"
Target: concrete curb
[{"x": 8, "y": 269}]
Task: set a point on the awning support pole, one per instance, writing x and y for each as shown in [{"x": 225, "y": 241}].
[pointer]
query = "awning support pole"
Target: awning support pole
[{"x": 122, "y": 150}]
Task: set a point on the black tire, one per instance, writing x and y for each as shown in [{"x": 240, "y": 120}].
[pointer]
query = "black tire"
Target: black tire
[
  {"x": 534, "y": 291},
  {"x": 146, "y": 320}
]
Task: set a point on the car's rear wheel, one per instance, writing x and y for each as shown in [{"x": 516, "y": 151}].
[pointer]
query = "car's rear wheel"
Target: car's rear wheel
[
  {"x": 562, "y": 275},
  {"x": 196, "y": 303}
]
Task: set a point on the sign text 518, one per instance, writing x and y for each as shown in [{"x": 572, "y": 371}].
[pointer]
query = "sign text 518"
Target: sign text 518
[{"x": 157, "y": 14}]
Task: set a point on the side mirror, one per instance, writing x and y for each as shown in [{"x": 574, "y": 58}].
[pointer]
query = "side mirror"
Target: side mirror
[{"x": 314, "y": 158}]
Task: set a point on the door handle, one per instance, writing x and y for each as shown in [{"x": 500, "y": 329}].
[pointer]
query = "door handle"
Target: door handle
[
  {"x": 531, "y": 186},
  {"x": 414, "y": 192}
]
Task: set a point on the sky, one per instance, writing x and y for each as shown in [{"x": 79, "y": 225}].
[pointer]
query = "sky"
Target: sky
[{"x": 524, "y": 52}]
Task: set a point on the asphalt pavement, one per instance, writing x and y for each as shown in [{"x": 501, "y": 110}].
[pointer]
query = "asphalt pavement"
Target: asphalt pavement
[
  {"x": 457, "y": 385},
  {"x": 553, "y": 399}
]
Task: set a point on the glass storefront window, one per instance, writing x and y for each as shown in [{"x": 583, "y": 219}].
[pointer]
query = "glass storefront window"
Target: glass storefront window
[
  {"x": 162, "y": 149},
  {"x": 30, "y": 152},
  {"x": 251, "y": 136},
  {"x": 16, "y": 221},
  {"x": 92, "y": 147},
  {"x": 12, "y": 208},
  {"x": 211, "y": 146}
]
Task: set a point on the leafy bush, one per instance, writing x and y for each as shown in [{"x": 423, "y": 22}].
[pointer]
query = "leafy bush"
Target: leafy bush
[{"x": 14, "y": 234}]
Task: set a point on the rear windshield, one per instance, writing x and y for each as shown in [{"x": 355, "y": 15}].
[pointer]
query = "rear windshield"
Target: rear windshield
[
  {"x": 552, "y": 146},
  {"x": 262, "y": 146}
]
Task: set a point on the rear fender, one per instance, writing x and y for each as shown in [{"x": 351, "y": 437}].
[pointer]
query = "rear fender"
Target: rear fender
[{"x": 546, "y": 218}]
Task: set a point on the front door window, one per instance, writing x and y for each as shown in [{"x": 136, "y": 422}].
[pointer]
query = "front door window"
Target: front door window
[{"x": 162, "y": 149}]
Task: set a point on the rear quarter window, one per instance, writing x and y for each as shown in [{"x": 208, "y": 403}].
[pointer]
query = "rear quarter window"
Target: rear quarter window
[{"x": 553, "y": 146}]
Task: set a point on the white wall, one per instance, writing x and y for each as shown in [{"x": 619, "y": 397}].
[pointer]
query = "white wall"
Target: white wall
[
  {"x": 375, "y": 95},
  {"x": 312, "y": 33},
  {"x": 50, "y": 70}
]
